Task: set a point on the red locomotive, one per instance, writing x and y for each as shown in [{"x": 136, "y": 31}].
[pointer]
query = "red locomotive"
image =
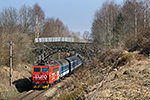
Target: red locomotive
[{"x": 45, "y": 74}]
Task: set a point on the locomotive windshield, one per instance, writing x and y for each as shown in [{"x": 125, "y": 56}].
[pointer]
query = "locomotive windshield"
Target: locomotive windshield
[
  {"x": 44, "y": 69},
  {"x": 37, "y": 69}
]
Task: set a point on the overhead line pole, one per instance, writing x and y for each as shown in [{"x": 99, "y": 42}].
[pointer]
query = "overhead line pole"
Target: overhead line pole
[{"x": 10, "y": 63}]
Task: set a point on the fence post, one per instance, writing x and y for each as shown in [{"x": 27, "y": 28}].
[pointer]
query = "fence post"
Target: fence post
[{"x": 10, "y": 63}]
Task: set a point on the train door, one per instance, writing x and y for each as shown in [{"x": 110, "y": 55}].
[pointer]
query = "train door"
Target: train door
[{"x": 54, "y": 74}]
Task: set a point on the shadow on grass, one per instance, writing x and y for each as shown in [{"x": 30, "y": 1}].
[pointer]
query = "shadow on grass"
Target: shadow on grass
[{"x": 23, "y": 84}]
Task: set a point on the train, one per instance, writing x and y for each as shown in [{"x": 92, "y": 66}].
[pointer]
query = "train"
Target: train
[{"x": 45, "y": 74}]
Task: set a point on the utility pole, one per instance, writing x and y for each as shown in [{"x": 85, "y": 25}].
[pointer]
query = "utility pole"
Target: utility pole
[
  {"x": 135, "y": 14},
  {"x": 10, "y": 63},
  {"x": 37, "y": 27},
  {"x": 145, "y": 3}
]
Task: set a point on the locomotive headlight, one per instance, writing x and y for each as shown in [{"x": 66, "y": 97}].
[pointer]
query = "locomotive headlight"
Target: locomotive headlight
[
  {"x": 45, "y": 83},
  {"x": 35, "y": 83}
]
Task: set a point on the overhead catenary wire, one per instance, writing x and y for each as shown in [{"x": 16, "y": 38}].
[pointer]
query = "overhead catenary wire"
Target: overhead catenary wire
[
  {"x": 4, "y": 43},
  {"x": 25, "y": 51},
  {"x": 22, "y": 45},
  {"x": 47, "y": 47}
]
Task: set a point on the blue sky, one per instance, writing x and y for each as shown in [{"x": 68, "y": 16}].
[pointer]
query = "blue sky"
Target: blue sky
[{"x": 76, "y": 14}]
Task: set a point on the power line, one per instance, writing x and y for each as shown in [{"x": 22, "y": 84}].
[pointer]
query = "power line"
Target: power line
[
  {"x": 22, "y": 45},
  {"x": 2, "y": 43},
  {"x": 25, "y": 51}
]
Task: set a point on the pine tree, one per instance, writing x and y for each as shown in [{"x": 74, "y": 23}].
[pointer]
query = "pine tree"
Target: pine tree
[{"x": 118, "y": 30}]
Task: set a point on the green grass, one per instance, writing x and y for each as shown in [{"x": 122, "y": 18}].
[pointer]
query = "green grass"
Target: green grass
[
  {"x": 140, "y": 78},
  {"x": 13, "y": 94},
  {"x": 72, "y": 95},
  {"x": 124, "y": 59}
]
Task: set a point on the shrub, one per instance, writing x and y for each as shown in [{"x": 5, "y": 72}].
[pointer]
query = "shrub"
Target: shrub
[
  {"x": 140, "y": 57},
  {"x": 21, "y": 45},
  {"x": 124, "y": 59},
  {"x": 141, "y": 43},
  {"x": 72, "y": 95}
]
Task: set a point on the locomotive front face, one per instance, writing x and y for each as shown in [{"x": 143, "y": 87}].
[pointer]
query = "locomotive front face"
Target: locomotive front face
[{"x": 40, "y": 76}]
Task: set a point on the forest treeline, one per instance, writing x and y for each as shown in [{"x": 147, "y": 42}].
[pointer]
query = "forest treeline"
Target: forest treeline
[
  {"x": 22, "y": 26},
  {"x": 32, "y": 21},
  {"x": 114, "y": 23}
]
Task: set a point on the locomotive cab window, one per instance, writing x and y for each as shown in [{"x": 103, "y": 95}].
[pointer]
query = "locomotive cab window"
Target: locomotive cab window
[
  {"x": 44, "y": 69},
  {"x": 37, "y": 69}
]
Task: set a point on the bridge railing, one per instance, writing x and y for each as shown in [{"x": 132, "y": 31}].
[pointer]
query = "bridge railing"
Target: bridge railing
[{"x": 55, "y": 39}]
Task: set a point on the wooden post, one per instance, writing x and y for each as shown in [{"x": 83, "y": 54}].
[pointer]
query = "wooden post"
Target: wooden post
[
  {"x": 10, "y": 63},
  {"x": 145, "y": 3},
  {"x": 135, "y": 22}
]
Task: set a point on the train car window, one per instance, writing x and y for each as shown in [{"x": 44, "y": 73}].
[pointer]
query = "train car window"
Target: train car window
[
  {"x": 61, "y": 68},
  {"x": 44, "y": 69},
  {"x": 37, "y": 69},
  {"x": 73, "y": 64},
  {"x": 55, "y": 70},
  {"x": 66, "y": 67}
]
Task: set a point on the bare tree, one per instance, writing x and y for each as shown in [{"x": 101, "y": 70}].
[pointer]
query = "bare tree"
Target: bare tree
[
  {"x": 146, "y": 13},
  {"x": 86, "y": 35},
  {"x": 54, "y": 27},
  {"x": 39, "y": 17},
  {"x": 133, "y": 13},
  {"x": 76, "y": 36},
  {"x": 61, "y": 29},
  {"x": 25, "y": 19},
  {"x": 103, "y": 23},
  {"x": 9, "y": 18}
]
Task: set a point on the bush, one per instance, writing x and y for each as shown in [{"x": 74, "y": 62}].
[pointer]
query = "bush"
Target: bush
[
  {"x": 71, "y": 96},
  {"x": 21, "y": 45},
  {"x": 124, "y": 59},
  {"x": 141, "y": 43},
  {"x": 140, "y": 57}
]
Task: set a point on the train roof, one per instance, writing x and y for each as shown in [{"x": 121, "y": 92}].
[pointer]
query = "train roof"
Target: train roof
[
  {"x": 62, "y": 61},
  {"x": 72, "y": 58}
]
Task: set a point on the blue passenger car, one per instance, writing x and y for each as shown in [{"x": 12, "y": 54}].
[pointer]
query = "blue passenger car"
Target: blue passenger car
[
  {"x": 74, "y": 62},
  {"x": 64, "y": 67}
]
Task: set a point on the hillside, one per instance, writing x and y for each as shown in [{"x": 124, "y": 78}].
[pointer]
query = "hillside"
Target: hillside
[
  {"x": 130, "y": 81},
  {"x": 119, "y": 75},
  {"x": 20, "y": 81}
]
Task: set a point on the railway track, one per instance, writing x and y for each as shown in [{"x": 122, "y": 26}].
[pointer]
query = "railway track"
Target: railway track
[
  {"x": 31, "y": 95},
  {"x": 34, "y": 94},
  {"x": 24, "y": 96},
  {"x": 38, "y": 94}
]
